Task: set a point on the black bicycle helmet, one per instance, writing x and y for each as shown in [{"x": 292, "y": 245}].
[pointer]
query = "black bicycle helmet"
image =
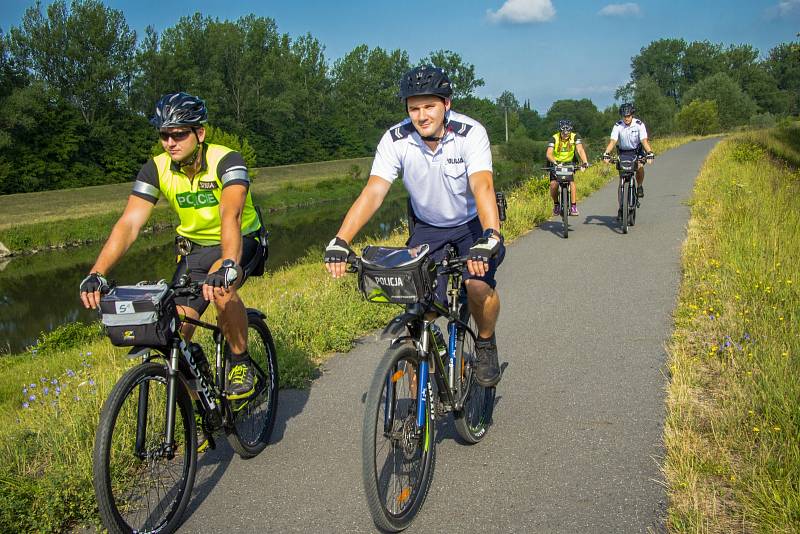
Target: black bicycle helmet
[
  {"x": 425, "y": 80},
  {"x": 565, "y": 126},
  {"x": 626, "y": 109},
  {"x": 179, "y": 109}
]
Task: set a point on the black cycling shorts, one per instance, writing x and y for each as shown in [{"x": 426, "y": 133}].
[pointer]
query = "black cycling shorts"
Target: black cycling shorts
[{"x": 199, "y": 261}]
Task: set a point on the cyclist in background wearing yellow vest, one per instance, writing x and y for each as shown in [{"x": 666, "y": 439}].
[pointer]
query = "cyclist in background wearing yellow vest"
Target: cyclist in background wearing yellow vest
[
  {"x": 209, "y": 188},
  {"x": 561, "y": 150}
]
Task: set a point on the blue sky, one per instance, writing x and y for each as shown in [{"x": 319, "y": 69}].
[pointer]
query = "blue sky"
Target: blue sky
[{"x": 541, "y": 50}]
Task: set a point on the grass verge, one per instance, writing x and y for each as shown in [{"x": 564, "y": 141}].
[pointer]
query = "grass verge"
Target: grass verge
[
  {"x": 733, "y": 420},
  {"x": 50, "y": 398}
]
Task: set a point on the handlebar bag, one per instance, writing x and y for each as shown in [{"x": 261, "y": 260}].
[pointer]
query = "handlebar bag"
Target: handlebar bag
[
  {"x": 397, "y": 275},
  {"x": 139, "y": 315}
]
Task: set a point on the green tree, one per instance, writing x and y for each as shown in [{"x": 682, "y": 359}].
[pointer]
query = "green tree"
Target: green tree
[
  {"x": 734, "y": 106},
  {"x": 699, "y": 117},
  {"x": 365, "y": 89},
  {"x": 462, "y": 75},
  {"x": 583, "y": 114},
  {"x": 783, "y": 63},
  {"x": 655, "y": 109},
  {"x": 662, "y": 61},
  {"x": 84, "y": 53}
]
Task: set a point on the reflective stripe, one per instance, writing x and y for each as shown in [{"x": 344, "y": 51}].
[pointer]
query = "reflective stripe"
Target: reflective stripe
[
  {"x": 146, "y": 189},
  {"x": 238, "y": 174}
]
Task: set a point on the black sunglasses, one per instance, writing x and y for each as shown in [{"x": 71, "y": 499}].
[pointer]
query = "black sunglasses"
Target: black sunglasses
[{"x": 177, "y": 136}]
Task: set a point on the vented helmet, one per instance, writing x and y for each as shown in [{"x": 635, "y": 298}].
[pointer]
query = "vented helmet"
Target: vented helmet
[
  {"x": 565, "y": 126},
  {"x": 626, "y": 109},
  {"x": 425, "y": 80},
  {"x": 179, "y": 109}
]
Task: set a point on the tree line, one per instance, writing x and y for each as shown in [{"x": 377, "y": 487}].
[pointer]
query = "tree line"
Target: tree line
[{"x": 77, "y": 86}]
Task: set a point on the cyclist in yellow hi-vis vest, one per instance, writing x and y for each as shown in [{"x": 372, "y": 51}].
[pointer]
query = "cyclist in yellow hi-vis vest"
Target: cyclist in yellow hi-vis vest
[
  {"x": 218, "y": 244},
  {"x": 562, "y": 149}
]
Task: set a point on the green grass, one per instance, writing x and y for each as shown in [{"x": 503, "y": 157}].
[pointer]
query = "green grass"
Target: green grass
[
  {"x": 45, "y": 448},
  {"x": 733, "y": 423}
]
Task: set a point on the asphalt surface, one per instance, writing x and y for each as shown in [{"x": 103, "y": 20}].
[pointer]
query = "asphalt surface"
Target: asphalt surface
[{"x": 576, "y": 442}]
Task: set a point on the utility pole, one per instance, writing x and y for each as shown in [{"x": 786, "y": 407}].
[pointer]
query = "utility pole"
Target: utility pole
[{"x": 506, "y": 109}]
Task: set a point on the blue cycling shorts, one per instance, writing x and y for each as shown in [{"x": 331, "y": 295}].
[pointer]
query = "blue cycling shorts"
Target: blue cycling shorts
[{"x": 461, "y": 237}]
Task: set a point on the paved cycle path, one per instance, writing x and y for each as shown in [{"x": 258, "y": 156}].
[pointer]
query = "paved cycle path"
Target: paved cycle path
[{"x": 577, "y": 436}]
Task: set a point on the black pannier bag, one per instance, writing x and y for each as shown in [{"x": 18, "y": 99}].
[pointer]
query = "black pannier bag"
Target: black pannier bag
[
  {"x": 139, "y": 315},
  {"x": 397, "y": 275}
]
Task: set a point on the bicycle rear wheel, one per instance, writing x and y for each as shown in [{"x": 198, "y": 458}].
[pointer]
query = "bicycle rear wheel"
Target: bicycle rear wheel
[
  {"x": 565, "y": 206},
  {"x": 141, "y": 485},
  {"x": 473, "y": 420},
  {"x": 397, "y": 458},
  {"x": 254, "y": 417},
  {"x": 626, "y": 187}
]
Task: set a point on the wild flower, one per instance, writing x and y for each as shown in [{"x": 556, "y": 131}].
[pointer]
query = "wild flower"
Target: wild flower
[
  {"x": 46, "y": 390},
  {"x": 91, "y": 382},
  {"x": 70, "y": 373},
  {"x": 54, "y": 381},
  {"x": 42, "y": 380},
  {"x": 26, "y": 405},
  {"x": 32, "y": 398}
]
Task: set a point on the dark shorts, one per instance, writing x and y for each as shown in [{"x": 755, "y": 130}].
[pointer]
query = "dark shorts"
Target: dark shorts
[
  {"x": 199, "y": 261},
  {"x": 461, "y": 237},
  {"x": 634, "y": 153}
]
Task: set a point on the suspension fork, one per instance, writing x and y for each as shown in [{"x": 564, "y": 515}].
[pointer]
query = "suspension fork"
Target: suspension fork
[
  {"x": 172, "y": 393},
  {"x": 141, "y": 419}
]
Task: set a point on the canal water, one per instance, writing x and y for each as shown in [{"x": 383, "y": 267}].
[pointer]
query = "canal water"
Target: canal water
[{"x": 40, "y": 292}]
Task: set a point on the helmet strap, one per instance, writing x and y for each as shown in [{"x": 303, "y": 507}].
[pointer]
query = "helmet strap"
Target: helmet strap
[
  {"x": 189, "y": 160},
  {"x": 432, "y": 138}
]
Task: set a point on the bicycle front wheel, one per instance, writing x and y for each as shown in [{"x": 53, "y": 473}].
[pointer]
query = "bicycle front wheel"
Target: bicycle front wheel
[
  {"x": 626, "y": 188},
  {"x": 143, "y": 483},
  {"x": 473, "y": 420},
  {"x": 254, "y": 417},
  {"x": 398, "y": 458}
]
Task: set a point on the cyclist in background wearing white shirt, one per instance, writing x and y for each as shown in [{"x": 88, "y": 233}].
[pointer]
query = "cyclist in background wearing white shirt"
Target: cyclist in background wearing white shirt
[
  {"x": 630, "y": 134},
  {"x": 446, "y": 165}
]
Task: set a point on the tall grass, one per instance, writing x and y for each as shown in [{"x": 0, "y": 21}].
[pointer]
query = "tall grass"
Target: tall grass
[
  {"x": 733, "y": 423},
  {"x": 46, "y": 442}
]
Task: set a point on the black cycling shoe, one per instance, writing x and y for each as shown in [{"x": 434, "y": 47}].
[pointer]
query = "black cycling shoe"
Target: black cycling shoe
[
  {"x": 640, "y": 191},
  {"x": 241, "y": 380},
  {"x": 487, "y": 369}
]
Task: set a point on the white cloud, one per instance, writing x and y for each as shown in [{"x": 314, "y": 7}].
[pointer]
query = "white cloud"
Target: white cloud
[
  {"x": 523, "y": 11},
  {"x": 784, "y": 8},
  {"x": 618, "y": 10}
]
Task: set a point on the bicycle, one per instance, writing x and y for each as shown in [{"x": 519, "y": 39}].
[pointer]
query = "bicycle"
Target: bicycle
[
  {"x": 626, "y": 193},
  {"x": 145, "y": 451},
  {"x": 398, "y": 445},
  {"x": 565, "y": 175}
]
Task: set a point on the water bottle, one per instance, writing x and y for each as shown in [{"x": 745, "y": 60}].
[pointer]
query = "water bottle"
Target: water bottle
[{"x": 438, "y": 340}]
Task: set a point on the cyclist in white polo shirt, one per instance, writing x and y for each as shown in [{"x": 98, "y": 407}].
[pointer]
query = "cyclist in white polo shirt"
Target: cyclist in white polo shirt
[
  {"x": 447, "y": 169},
  {"x": 630, "y": 134}
]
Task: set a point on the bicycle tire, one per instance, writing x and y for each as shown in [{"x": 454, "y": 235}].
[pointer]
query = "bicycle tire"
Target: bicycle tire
[
  {"x": 117, "y": 467},
  {"x": 632, "y": 213},
  {"x": 394, "y": 496},
  {"x": 626, "y": 186},
  {"x": 565, "y": 206},
  {"x": 473, "y": 420},
  {"x": 254, "y": 417}
]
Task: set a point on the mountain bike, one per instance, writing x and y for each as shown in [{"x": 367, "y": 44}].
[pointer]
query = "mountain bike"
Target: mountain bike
[
  {"x": 421, "y": 377},
  {"x": 626, "y": 194},
  {"x": 145, "y": 450},
  {"x": 565, "y": 175}
]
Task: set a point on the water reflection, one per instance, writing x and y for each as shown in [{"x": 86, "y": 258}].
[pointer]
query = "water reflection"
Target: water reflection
[{"x": 38, "y": 293}]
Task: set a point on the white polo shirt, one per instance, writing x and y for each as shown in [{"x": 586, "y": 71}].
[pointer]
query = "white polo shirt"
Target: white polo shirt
[
  {"x": 437, "y": 181},
  {"x": 629, "y": 137}
]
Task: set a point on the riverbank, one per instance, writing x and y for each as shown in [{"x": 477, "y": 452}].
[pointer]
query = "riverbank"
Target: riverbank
[
  {"x": 76, "y": 217},
  {"x": 50, "y": 398},
  {"x": 733, "y": 419}
]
